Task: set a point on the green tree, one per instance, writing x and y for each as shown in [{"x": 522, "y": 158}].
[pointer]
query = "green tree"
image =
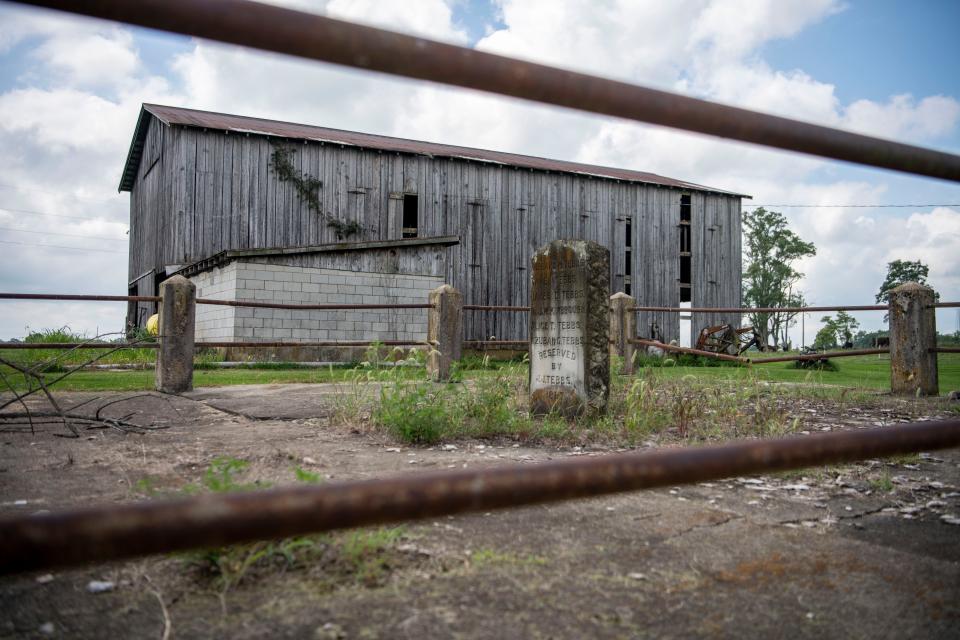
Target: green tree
[
  {"x": 826, "y": 338},
  {"x": 900, "y": 272},
  {"x": 835, "y": 332},
  {"x": 770, "y": 251},
  {"x": 845, "y": 325}
]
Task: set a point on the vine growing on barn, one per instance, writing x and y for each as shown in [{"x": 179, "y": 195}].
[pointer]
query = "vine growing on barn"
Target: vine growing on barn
[{"x": 307, "y": 187}]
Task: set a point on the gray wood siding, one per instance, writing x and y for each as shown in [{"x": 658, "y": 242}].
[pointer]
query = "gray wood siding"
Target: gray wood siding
[
  {"x": 216, "y": 191},
  {"x": 150, "y": 222},
  {"x": 716, "y": 259}
]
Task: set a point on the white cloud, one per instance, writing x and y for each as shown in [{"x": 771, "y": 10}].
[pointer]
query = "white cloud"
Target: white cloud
[
  {"x": 430, "y": 18},
  {"x": 731, "y": 29},
  {"x": 94, "y": 60},
  {"x": 903, "y": 117}
]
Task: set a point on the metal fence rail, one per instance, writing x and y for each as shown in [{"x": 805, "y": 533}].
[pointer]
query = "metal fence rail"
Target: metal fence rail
[
  {"x": 493, "y": 307},
  {"x": 310, "y": 307},
  {"x": 77, "y": 297},
  {"x": 70, "y": 538},
  {"x": 209, "y": 345},
  {"x": 482, "y": 344},
  {"x": 862, "y": 307},
  {"x": 466, "y": 307},
  {"x": 315, "y": 37},
  {"x": 688, "y": 350},
  {"x": 751, "y": 361},
  {"x": 821, "y": 356}
]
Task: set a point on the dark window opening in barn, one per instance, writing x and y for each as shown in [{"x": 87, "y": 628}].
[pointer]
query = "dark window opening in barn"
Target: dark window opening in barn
[
  {"x": 628, "y": 258},
  {"x": 686, "y": 266},
  {"x": 410, "y": 222}
]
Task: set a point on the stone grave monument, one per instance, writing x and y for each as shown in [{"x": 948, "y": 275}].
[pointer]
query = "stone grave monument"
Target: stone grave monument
[{"x": 570, "y": 328}]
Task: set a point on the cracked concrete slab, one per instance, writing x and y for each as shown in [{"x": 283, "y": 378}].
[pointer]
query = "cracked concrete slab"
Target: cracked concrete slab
[{"x": 272, "y": 401}]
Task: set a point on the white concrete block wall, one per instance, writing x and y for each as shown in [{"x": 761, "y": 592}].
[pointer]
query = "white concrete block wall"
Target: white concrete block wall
[
  {"x": 215, "y": 323},
  {"x": 302, "y": 285}
]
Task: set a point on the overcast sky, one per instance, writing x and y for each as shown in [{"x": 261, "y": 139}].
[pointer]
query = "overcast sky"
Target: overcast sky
[{"x": 70, "y": 91}]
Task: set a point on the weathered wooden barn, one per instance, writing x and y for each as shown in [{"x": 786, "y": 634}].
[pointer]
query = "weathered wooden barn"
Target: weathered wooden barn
[{"x": 207, "y": 189}]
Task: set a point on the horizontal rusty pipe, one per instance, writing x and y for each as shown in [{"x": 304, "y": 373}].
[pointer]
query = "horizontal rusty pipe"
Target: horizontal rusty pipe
[
  {"x": 492, "y": 307},
  {"x": 70, "y": 538},
  {"x": 208, "y": 345},
  {"x": 945, "y": 305},
  {"x": 78, "y": 345},
  {"x": 862, "y": 307},
  {"x": 308, "y": 307},
  {"x": 324, "y": 343},
  {"x": 821, "y": 356},
  {"x": 945, "y": 350},
  {"x": 209, "y": 301},
  {"x": 694, "y": 352},
  {"x": 306, "y": 35},
  {"x": 81, "y": 298}
]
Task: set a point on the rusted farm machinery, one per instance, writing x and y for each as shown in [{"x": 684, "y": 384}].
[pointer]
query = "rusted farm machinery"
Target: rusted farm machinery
[{"x": 725, "y": 339}]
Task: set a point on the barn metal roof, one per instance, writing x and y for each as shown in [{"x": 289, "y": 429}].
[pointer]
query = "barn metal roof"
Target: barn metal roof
[{"x": 259, "y": 126}]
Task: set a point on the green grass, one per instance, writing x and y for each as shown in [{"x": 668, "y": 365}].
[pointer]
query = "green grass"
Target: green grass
[
  {"x": 862, "y": 372},
  {"x": 143, "y": 380},
  {"x": 364, "y": 556},
  {"x": 423, "y": 413}
]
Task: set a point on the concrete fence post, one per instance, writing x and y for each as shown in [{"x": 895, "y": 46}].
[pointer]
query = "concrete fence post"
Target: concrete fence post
[
  {"x": 623, "y": 328},
  {"x": 913, "y": 335},
  {"x": 175, "y": 355},
  {"x": 444, "y": 332}
]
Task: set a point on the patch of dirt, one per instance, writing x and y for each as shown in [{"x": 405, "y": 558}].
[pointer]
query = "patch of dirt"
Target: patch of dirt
[{"x": 854, "y": 550}]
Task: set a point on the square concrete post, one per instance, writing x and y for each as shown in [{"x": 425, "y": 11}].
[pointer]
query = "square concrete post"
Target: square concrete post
[
  {"x": 623, "y": 328},
  {"x": 444, "y": 332},
  {"x": 175, "y": 355},
  {"x": 913, "y": 333}
]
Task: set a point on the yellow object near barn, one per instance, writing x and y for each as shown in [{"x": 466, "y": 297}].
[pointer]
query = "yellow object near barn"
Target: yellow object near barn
[{"x": 153, "y": 324}]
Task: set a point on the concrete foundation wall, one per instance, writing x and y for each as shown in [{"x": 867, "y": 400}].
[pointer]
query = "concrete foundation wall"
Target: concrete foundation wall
[
  {"x": 241, "y": 280},
  {"x": 215, "y": 323}
]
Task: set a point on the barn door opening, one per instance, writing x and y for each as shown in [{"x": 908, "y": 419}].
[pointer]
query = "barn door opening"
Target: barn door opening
[
  {"x": 686, "y": 322},
  {"x": 628, "y": 258},
  {"x": 686, "y": 269}
]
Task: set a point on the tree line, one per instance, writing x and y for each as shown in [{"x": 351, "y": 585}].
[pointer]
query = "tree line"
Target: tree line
[{"x": 770, "y": 277}]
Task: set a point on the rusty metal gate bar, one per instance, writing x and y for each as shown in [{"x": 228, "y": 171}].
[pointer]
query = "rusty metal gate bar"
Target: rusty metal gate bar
[
  {"x": 466, "y": 307},
  {"x": 493, "y": 307},
  {"x": 12, "y": 346},
  {"x": 694, "y": 352},
  {"x": 821, "y": 356},
  {"x": 77, "y": 297},
  {"x": 310, "y": 307},
  {"x": 70, "y": 538},
  {"x": 484, "y": 344},
  {"x": 861, "y": 307},
  {"x": 307, "y": 35}
]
